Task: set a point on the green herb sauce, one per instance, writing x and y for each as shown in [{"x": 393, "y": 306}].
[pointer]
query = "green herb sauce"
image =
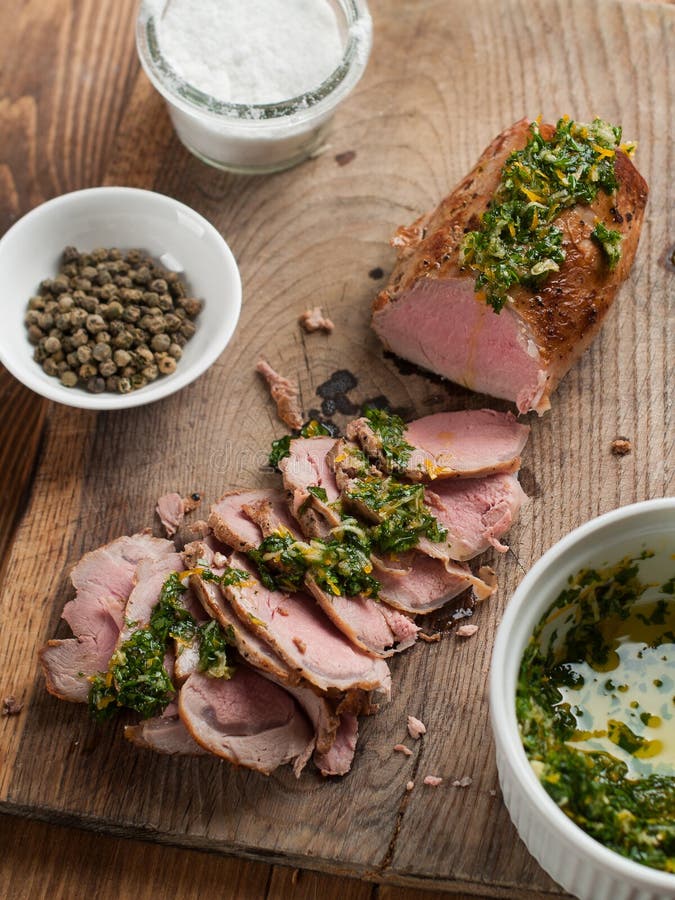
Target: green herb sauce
[
  {"x": 400, "y": 510},
  {"x": 340, "y": 564},
  {"x": 395, "y": 450},
  {"x": 596, "y": 709},
  {"x": 136, "y": 678},
  {"x": 517, "y": 241}
]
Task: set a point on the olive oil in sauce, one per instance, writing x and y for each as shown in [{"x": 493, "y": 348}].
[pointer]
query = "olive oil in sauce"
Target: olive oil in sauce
[{"x": 596, "y": 709}]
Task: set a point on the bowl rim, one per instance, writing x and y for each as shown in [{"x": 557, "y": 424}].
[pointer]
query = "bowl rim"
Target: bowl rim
[
  {"x": 504, "y": 665},
  {"x": 308, "y": 105},
  {"x": 169, "y": 384}
]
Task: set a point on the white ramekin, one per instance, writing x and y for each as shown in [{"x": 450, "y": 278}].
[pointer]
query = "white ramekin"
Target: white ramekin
[
  {"x": 575, "y": 860},
  {"x": 255, "y": 138}
]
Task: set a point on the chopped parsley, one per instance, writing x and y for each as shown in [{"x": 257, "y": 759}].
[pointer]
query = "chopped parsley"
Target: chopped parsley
[
  {"x": 394, "y": 449},
  {"x": 402, "y": 515},
  {"x": 517, "y": 241},
  {"x": 340, "y": 563},
  {"x": 136, "y": 678},
  {"x": 610, "y": 241}
]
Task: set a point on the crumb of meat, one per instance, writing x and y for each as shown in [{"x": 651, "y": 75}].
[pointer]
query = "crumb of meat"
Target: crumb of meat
[
  {"x": 282, "y": 610},
  {"x": 343, "y": 158},
  {"x": 191, "y": 502},
  {"x": 465, "y": 781},
  {"x": 488, "y": 575},
  {"x": 200, "y": 528},
  {"x": 11, "y": 706},
  {"x": 416, "y": 728},
  {"x": 300, "y": 644},
  {"x": 219, "y": 560},
  {"x": 284, "y": 393},
  {"x": 314, "y": 320},
  {"x": 493, "y": 793},
  {"x": 621, "y": 446},
  {"x": 466, "y": 631},
  {"x": 401, "y": 748},
  {"x": 410, "y": 785},
  {"x": 429, "y": 638},
  {"x": 432, "y": 780}
]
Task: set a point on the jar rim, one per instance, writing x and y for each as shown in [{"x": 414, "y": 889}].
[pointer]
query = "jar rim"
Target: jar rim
[{"x": 179, "y": 91}]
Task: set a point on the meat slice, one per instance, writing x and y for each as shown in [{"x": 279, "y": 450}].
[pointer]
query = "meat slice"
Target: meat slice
[
  {"x": 430, "y": 314},
  {"x": 338, "y": 759},
  {"x": 150, "y": 576},
  {"x": 103, "y": 580},
  {"x": 246, "y": 719},
  {"x": 464, "y": 444},
  {"x": 476, "y": 512},
  {"x": 164, "y": 734},
  {"x": 418, "y": 584},
  {"x": 306, "y": 466},
  {"x": 171, "y": 511},
  {"x": 361, "y": 619},
  {"x": 284, "y": 393},
  {"x": 234, "y": 527},
  {"x": 296, "y": 628}
]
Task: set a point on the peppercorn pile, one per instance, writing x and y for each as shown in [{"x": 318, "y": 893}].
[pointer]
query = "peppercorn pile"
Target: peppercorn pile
[{"x": 110, "y": 321}]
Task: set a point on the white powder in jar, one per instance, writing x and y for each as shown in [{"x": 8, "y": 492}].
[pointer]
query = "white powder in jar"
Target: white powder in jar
[{"x": 250, "y": 51}]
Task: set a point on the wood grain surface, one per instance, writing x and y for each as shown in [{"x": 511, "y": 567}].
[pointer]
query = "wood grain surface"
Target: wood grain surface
[{"x": 443, "y": 79}]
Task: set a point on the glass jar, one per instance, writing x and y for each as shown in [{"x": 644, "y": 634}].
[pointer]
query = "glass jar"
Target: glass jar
[{"x": 255, "y": 138}]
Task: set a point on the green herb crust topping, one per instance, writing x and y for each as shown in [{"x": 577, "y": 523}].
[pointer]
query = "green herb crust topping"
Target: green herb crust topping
[
  {"x": 597, "y": 726},
  {"x": 517, "y": 241},
  {"x": 136, "y": 678}
]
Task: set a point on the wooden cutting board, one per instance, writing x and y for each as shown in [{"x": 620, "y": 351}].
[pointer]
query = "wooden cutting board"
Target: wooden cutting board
[{"x": 444, "y": 77}]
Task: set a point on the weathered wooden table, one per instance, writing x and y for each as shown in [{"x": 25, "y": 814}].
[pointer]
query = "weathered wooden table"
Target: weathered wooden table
[{"x": 444, "y": 77}]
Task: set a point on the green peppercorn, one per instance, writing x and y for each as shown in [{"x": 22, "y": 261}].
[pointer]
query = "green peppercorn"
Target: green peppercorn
[
  {"x": 107, "y": 368},
  {"x": 46, "y": 321},
  {"x": 157, "y": 325},
  {"x": 89, "y": 303},
  {"x": 88, "y": 370},
  {"x": 103, "y": 278},
  {"x": 73, "y": 360},
  {"x": 36, "y": 303},
  {"x": 131, "y": 314},
  {"x": 114, "y": 310},
  {"x": 52, "y": 345},
  {"x": 49, "y": 366},
  {"x": 123, "y": 281},
  {"x": 180, "y": 339},
  {"x": 187, "y": 329},
  {"x": 191, "y": 305},
  {"x": 69, "y": 378},
  {"x": 82, "y": 284},
  {"x": 95, "y": 384},
  {"x": 175, "y": 351},
  {"x": 128, "y": 371},
  {"x": 151, "y": 372},
  {"x": 167, "y": 365},
  {"x": 84, "y": 353},
  {"x": 112, "y": 382},
  {"x": 101, "y": 352},
  {"x": 94, "y": 323},
  {"x": 60, "y": 284},
  {"x": 32, "y": 317},
  {"x": 122, "y": 358},
  {"x": 62, "y": 322},
  {"x": 143, "y": 352},
  {"x": 124, "y": 385},
  {"x": 160, "y": 343},
  {"x": 35, "y": 334}
]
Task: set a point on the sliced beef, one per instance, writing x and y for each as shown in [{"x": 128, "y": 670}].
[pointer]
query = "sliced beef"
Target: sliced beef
[
  {"x": 359, "y": 618},
  {"x": 338, "y": 759},
  {"x": 103, "y": 580},
  {"x": 430, "y": 314},
  {"x": 250, "y": 646},
  {"x": 306, "y": 466},
  {"x": 171, "y": 511},
  {"x": 296, "y": 628},
  {"x": 164, "y": 734},
  {"x": 284, "y": 393},
  {"x": 464, "y": 444},
  {"x": 418, "y": 584},
  {"x": 233, "y": 527},
  {"x": 247, "y": 719},
  {"x": 476, "y": 512}
]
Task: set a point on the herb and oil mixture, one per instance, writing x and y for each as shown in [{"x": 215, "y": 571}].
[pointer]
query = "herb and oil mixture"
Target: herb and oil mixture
[
  {"x": 340, "y": 563},
  {"x": 517, "y": 241},
  {"x": 596, "y": 708},
  {"x": 137, "y": 678},
  {"x": 110, "y": 321}
]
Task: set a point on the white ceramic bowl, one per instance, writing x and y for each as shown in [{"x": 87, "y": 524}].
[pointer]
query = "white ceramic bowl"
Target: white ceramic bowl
[
  {"x": 579, "y": 863},
  {"x": 262, "y": 137},
  {"x": 176, "y": 235}
]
